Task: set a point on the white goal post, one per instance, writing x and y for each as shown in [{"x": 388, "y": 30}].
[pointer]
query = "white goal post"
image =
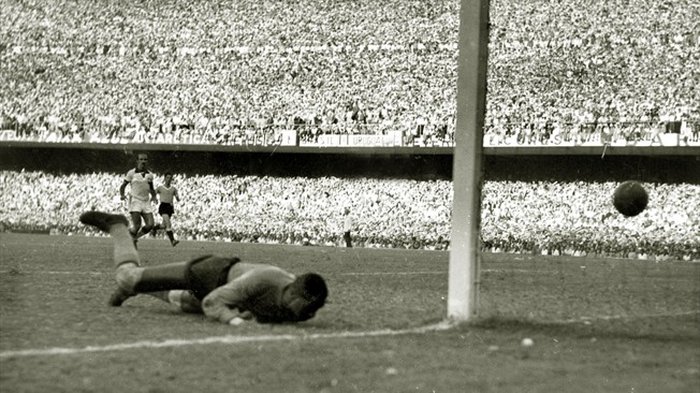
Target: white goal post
[{"x": 465, "y": 254}]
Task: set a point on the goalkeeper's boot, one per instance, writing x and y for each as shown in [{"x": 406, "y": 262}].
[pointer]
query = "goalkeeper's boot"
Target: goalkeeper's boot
[{"x": 103, "y": 221}]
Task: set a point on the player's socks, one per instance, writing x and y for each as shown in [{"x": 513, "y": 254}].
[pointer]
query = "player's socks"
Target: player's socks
[
  {"x": 163, "y": 278},
  {"x": 171, "y": 236},
  {"x": 124, "y": 246},
  {"x": 117, "y": 227},
  {"x": 134, "y": 238},
  {"x": 142, "y": 232},
  {"x": 154, "y": 230},
  {"x": 126, "y": 258}
]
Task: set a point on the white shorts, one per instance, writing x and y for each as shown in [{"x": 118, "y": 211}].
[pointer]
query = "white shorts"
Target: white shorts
[{"x": 139, "y": 206}]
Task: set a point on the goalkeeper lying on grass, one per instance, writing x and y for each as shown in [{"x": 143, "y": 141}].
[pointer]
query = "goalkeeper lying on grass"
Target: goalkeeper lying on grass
[{"x": 224, "y": 289}]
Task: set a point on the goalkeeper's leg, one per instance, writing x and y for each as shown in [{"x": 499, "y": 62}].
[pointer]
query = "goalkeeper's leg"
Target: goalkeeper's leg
[
  {"x": 131, "y": 278},
  {"x": 126, "y": 258}
]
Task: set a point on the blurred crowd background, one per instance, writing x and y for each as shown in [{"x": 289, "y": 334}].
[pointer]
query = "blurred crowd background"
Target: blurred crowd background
[
  {"x": 235, "y": 72},
  {"x": 241, "y": 72},
  {"x": 544, "y": 217}
]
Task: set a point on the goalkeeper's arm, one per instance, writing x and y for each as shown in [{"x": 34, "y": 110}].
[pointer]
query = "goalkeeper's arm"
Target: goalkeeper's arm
[{"x": 222, "y": 304}]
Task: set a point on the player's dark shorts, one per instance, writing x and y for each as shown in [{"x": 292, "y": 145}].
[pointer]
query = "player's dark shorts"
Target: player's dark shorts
[
  {"x": 207, "y": 273},
  {"x": 166, "y": 208}
]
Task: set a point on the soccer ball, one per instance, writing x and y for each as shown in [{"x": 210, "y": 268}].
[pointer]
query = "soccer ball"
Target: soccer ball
[{"x": 630, "y": 198}]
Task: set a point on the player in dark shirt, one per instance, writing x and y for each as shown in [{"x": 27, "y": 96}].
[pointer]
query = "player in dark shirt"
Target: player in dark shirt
[
  {"x": 168, "y": 194},
  {"x": 223, "y": 288}
]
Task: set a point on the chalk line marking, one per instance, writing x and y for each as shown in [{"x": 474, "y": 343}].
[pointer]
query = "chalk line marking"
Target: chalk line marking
[
  {"x": 228, "y": 339},
  {"x": 233, "y": 340}
]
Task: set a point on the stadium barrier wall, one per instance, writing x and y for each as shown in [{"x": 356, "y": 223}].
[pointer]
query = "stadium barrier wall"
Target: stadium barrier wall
[{"x": 644, "y": 164}]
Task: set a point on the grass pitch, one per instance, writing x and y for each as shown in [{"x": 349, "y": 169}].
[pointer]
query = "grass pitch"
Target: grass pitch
[{"x": 598, "y": 325}]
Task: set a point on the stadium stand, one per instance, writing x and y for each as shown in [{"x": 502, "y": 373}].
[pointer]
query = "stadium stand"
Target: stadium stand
[
  {"x": 246, "y": 72},
  {"x": 574, "y": 72},
  {"x": 544, "y": 217}
]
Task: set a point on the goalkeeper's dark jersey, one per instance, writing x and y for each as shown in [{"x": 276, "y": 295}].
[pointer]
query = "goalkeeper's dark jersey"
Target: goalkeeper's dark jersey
[{"x": 253, "y": 288}]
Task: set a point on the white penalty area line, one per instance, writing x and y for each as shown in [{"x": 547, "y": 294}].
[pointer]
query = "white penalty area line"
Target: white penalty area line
[
  {"x": 234, "y": 340},
  {"x": 228, "y": 340}
]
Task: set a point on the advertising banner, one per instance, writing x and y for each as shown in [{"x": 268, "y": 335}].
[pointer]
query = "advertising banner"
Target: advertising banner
[{"x": 289, "y": 138}]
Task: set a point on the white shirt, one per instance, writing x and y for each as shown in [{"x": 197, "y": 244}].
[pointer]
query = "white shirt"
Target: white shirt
[{"x": 140, "y": 188}]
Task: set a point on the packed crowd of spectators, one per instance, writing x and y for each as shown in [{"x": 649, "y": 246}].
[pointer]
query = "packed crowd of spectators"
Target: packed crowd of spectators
[
  {"x": 555, "y": 218},
  {"x": 229, "y": 72}
]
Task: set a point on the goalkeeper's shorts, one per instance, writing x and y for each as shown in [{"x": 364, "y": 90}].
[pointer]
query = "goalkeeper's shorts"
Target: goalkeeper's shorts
[{"x": 206, "y": 273}]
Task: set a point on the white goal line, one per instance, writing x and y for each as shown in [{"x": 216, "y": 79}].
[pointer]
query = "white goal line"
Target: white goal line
[
  {"x": 233, "y": 340},
  {"x": 228, "y": 339}
]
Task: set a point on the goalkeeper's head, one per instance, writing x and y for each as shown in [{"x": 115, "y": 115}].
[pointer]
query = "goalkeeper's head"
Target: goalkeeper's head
[{"x": 306, "y": 295}]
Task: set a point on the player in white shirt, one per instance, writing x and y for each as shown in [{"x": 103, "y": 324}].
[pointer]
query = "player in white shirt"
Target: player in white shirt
[
  {"x": 168, "y": 194},
  {"x": 141, "y": 194},
  {"x": 347, "y": 227}
]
